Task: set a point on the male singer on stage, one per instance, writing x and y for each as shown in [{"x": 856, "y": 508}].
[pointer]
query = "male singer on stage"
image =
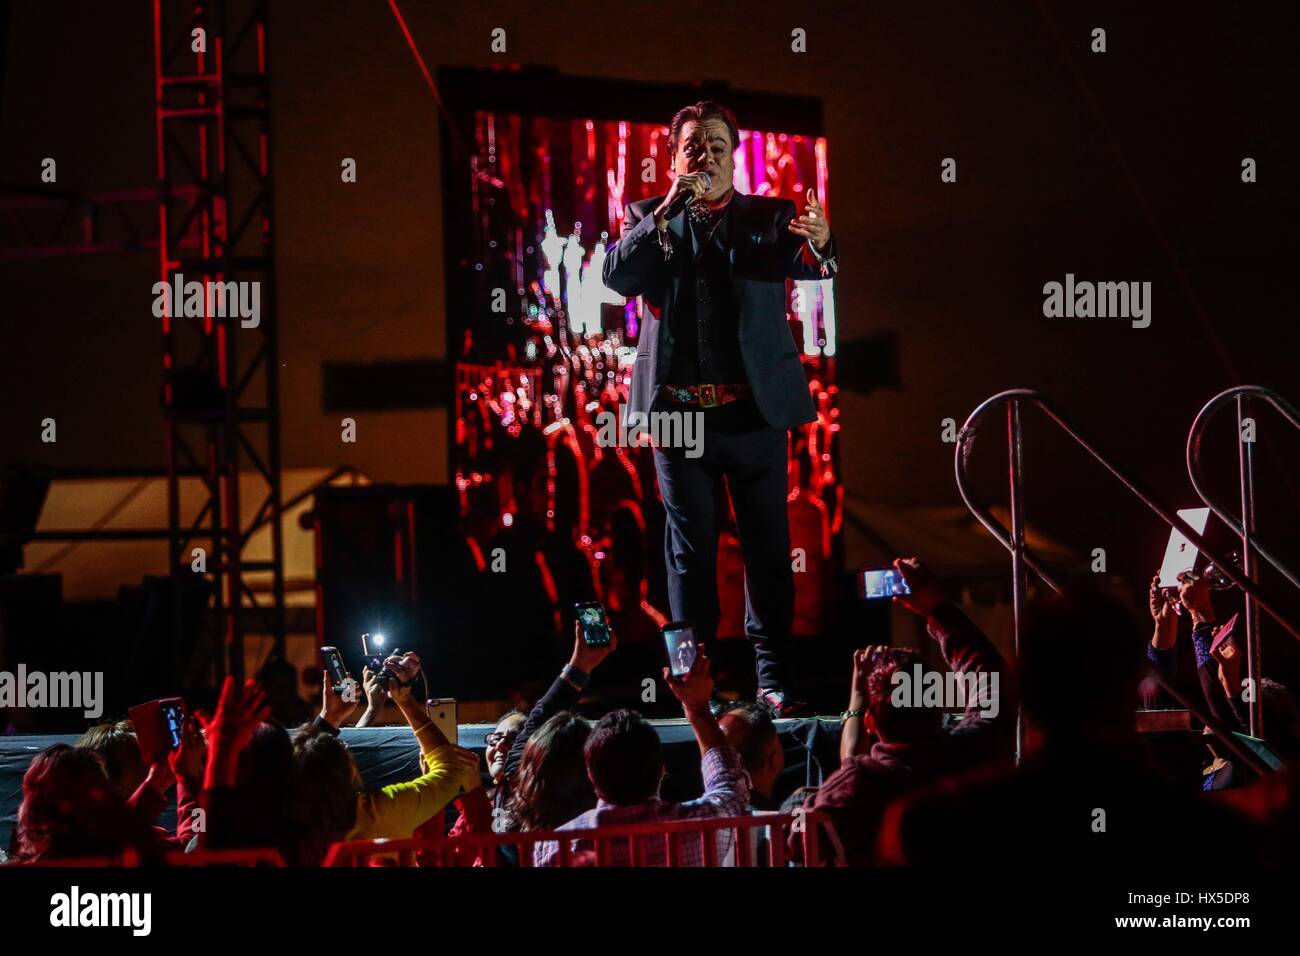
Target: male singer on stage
[{"x": 711, "y": 266}]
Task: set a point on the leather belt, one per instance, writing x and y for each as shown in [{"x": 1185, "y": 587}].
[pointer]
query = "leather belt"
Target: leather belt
[{"x": 706, "y": 396}]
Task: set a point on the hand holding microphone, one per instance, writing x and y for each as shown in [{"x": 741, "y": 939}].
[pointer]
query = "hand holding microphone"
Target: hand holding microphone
[{"x": 686, "y": 188}]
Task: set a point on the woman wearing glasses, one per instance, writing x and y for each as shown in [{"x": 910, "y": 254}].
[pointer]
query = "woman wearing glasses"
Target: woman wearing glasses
[{"x": 534, "y": 783}]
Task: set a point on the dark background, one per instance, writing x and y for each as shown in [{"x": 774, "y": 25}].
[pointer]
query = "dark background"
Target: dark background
[{"x": 1122, "y": 166}]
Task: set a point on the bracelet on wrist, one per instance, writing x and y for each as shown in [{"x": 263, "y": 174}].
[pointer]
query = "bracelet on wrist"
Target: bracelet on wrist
[
  {"x": 575, "y": 676},
  {"x": 849, "y": 715}
]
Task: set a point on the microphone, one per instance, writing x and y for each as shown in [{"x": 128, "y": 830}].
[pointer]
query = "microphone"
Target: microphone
[{"x": 684, "y": 198}]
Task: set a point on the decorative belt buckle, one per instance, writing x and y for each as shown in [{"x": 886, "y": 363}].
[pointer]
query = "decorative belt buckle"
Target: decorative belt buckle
[{"x": 708, "y": 396}]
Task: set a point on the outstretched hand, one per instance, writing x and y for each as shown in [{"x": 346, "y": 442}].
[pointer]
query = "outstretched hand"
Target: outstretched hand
[
  {"x": 863, "y": 660},
  {"x": 240, "y": 711},
  {"x": 813, "y": 225}
]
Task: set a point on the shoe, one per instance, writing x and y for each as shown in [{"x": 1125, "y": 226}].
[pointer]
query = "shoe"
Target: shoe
[{"x": 782, "y": 705}]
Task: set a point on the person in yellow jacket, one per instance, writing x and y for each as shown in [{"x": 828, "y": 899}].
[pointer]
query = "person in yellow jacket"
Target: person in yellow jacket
[{"x": 331, "y": 804}]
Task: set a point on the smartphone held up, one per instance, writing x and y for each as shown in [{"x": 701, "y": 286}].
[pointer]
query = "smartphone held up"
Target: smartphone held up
[
  {"x": 876, "y": 583},
  {"x": 159, "y": 727},
  {"x": 592, "y": 621},
  {"x": 679, "y": 642}
]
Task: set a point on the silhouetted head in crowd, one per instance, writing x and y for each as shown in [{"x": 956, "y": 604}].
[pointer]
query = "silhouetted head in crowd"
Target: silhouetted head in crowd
[
  {"x": 750, "y": 730},
  {"x": 328, "y": 782},
  {"x": 69, "y": 808},
  {"x": 890, "y": 723},
  {"x": 279, "y": 681},
  {"x": 499, "y": 742},
  {"x": 267, "y": 761},
  {"x": 625, "y": 760},
  {"x": 551, "y": 786},
  {"x": 1081, "y": 660},
  {"x": 115, "y": 741},
  {"x": 264, "y": 790}
]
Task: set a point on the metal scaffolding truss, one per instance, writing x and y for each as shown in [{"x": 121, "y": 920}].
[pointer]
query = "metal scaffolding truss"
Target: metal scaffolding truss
[
  {"x": 39, "y": 221},
  {"x": 221, "y": 389}
]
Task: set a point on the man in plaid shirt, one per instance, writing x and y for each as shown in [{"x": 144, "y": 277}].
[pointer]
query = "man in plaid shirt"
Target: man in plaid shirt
[{"x": 626, "y": 767}]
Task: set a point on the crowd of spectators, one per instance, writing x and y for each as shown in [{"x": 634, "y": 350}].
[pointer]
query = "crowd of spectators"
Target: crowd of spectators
[{"x": 918, "y": 780}]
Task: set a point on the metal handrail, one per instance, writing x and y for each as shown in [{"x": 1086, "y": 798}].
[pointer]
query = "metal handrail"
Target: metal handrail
[
  {"x": 1022, "y": 559},
  {"x": 1244, "y": 526},
  {"x": 1246, "y": 459}
]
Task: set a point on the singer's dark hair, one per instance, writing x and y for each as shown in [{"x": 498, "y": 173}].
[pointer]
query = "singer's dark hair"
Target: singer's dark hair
[{"x": 699, "y": 112}]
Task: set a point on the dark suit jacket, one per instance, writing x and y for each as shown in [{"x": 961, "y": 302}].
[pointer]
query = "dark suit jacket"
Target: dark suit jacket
[{"x": 763, "y": 255}]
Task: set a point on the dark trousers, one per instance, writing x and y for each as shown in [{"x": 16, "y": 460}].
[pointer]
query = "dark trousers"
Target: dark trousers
[{"x": 740, "y": 448}]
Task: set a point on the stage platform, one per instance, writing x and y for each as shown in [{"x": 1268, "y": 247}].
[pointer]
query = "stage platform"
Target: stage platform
[{"x": 388, "y": 755}]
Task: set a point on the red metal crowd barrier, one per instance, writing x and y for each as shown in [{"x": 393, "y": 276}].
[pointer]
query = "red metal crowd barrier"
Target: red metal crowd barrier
[
  {"x": 250, "y": 857},
  {"x": 724, "y": 841},
  {"x": 653, "y": 843},
  {"x": 127, "y": 859},
  {"x": 254, "y": 857}
]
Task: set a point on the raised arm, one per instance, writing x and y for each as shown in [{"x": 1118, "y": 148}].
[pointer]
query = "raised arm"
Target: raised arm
[
  {"x": 694, "y": 691},
  {"x": 853, "y": 732},
  {"x": 1160, "y": 651},
  {"x": 1218, "y": 686},
  {"x": 636, "y": 265},
  {"x": 1161, "y": 648},
  {"x": 562, "y": 695},
  {"x": 396, "y": 810},
  {"x": 965, "y": 648},
  {"x": 726, "y": 784},
  {"x": 187, "y": 763},
  {"x": 240, "y": 711},
  {"x": 406, "y": 668}
]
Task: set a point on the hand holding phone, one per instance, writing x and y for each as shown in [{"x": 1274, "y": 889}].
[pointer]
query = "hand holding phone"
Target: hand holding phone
[
  {"x": 159, "y": 727},
  {"x": 338, "y": 705},
  {"x": 695, "y": 687},
  {"x": 1180, "y": 553},
  {"x": 335, "y": 670},
  {"x": 593, "y": 638},
  {"x": 592, "y": 624},
  {"x": 1223, "y": 647},
  {"x": 877, "y": 583},
  {"x": 924, "y": 593},
  {"x": 442, "y": 711},
  {"x": 188, "y": 760},
  {"x": 679, "y": 642}
]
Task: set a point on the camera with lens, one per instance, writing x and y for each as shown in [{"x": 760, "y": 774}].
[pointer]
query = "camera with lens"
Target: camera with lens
[{"x": 372, "y": 647}]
